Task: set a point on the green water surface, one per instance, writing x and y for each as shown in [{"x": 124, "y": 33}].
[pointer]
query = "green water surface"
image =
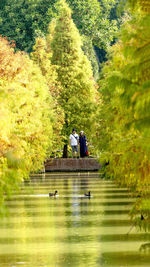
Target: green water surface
[{"x": 71, "y": 230}]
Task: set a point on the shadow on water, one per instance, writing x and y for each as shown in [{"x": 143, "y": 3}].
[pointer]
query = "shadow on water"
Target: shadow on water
[{"x": 71, "y": 230}]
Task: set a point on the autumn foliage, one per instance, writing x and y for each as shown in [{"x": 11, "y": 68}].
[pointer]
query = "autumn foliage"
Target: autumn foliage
[
  {"x": 26, "y": 117},
  {"x": 125, "y": 114},
  {"x": 41, "y": 55}
]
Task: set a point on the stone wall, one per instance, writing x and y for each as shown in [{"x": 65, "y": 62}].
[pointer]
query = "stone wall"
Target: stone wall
[{"x": 70, "y": 164}]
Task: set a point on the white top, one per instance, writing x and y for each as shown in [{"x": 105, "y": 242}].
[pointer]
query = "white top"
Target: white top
[{"x": 74, "y": 139}]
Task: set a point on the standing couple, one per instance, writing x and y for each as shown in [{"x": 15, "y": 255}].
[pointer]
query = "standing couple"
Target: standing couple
[{"x": 75, "y": 140}]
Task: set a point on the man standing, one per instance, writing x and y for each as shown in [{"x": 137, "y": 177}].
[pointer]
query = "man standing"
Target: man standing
[{"x": 74, "y": 141}]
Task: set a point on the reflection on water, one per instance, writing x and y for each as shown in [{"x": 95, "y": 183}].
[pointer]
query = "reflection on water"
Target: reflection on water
[{"x": 71, "y": 230}]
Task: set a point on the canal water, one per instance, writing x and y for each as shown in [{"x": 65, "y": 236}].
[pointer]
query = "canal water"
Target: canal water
[{"x": 71, "y": 230}]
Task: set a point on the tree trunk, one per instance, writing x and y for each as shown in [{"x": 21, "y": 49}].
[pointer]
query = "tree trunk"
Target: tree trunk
[{"x": 65, "y": 151}]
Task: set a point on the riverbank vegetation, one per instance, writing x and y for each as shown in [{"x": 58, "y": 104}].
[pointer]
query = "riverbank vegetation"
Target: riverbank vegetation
[
  {"x": 27, "y": 118},
  {"x": 52, "y": 79},
  {"x": 125, "y": 114},
  {"x": 43, "y": 95}
]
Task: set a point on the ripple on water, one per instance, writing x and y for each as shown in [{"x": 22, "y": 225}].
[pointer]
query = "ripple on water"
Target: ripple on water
[{"x": 71, "y": 230}]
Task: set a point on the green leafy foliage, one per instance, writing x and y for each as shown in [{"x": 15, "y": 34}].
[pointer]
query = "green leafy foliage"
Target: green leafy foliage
[
  {"x": 92, "y": 19},
  {"x": 25, "y": 20},
  {"x": 41, "y": 55},
  {"x": 78, "y": 93},
  {"x": 22, "y": 20},
  {"x": 89, "y": 51},
  {"x": 124, "y": 117}
]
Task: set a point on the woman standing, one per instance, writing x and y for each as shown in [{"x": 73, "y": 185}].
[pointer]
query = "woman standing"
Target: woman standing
[{"x": 83, "y": 145}]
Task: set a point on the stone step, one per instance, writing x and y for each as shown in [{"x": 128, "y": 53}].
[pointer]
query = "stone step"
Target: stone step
[{"x": 70, "y": 164}]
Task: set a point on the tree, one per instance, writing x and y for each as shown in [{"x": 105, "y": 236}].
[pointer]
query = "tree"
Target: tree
[
  {"x": 92, "y": 19},
  {"x": 78, "y": 93},
  {"x": 91, "y": 54},
  {"x": 144, "y": 4},
  {"x": 124, "y": 117},
  {"x": 21, "y": 19},
  {"x": 41, "y": 55},
  {"x": 26, "y": 118},
  {"x": 24, "y": 20}
]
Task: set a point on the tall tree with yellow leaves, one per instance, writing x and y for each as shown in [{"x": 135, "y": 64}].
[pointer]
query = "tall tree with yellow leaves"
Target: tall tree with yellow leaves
[{"x": 26, "y": 113}]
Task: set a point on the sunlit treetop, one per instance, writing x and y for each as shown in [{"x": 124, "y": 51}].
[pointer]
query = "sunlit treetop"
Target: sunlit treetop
[
  {"x": 22, "y": 20},
  {"x": 143, "y": 4}
]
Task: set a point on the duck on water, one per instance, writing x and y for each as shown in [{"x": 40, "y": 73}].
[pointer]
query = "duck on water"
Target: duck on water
[
  {"x": 53, "y": 194},
  {"x": 87, "y": 194},
  {"x": 56, "y": 194}
]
